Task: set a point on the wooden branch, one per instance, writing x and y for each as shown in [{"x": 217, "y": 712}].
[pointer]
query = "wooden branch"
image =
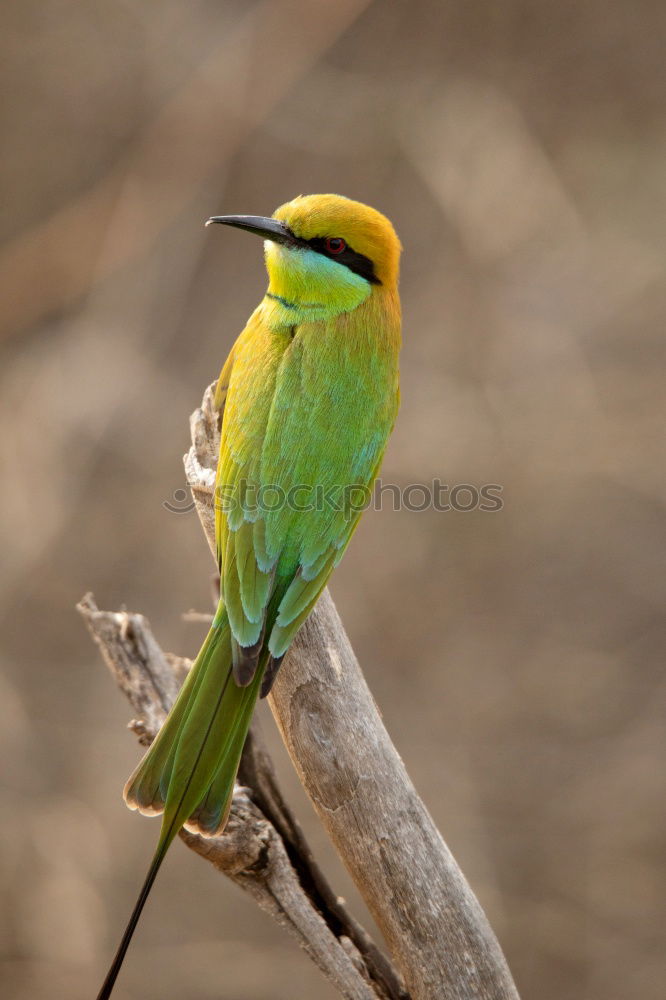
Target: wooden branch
[
  {"x": 436, "y": 930},
  {"x": 262, "y": 849},
  {"x": 272, "y": 46}
]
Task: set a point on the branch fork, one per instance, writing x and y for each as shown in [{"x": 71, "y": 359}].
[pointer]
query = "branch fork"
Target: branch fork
[{"x": 438, "y": 936}]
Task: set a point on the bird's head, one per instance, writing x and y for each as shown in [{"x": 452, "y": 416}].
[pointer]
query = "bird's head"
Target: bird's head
[{"x": 325, "y": 252}]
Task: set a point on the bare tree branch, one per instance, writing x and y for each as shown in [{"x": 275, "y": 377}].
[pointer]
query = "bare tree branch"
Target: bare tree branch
[
  {"x": 437, "y": 933},
  {"x": 60, "y": 258},
  {"x": 262, "y": 849},
  {"x": 435, "y": 928}
]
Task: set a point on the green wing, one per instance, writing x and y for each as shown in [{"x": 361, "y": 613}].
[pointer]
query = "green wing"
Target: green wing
[
  {"x": 247, "y": 572},
  {"x": 306, "y": 410}
]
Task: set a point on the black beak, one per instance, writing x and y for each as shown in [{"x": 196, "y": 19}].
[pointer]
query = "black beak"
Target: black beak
[{"x": 270, "y": 229}]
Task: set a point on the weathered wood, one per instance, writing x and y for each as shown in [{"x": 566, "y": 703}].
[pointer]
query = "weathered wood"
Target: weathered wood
[
  {"x": 262, "y": 849},
  {"x": 436, "y": 931}
]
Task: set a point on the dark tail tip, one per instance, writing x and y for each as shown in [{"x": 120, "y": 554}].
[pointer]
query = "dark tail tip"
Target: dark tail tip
[
  {"x": 116, "y": 965},
  {"x": 245, "y": 662},
  {"x": 270, "y": 674}
]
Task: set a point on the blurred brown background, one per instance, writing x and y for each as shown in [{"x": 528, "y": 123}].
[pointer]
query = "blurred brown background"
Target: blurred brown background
[{"x": 517, "y": 657}]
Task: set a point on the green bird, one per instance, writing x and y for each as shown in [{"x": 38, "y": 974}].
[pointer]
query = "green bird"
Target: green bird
[{"x": 308, "y": 396}]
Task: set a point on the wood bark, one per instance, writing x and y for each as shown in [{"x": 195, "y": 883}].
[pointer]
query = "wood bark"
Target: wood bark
[
  {"x": 436, "y": 931},
  {"x": 262, "y": 850}
]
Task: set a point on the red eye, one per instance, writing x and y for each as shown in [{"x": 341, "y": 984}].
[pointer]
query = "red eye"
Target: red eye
[{"x": 335, "y": 245}]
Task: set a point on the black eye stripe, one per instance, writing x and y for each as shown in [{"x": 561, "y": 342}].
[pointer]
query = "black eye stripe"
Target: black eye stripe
[{"x": 356, "y": 262}]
